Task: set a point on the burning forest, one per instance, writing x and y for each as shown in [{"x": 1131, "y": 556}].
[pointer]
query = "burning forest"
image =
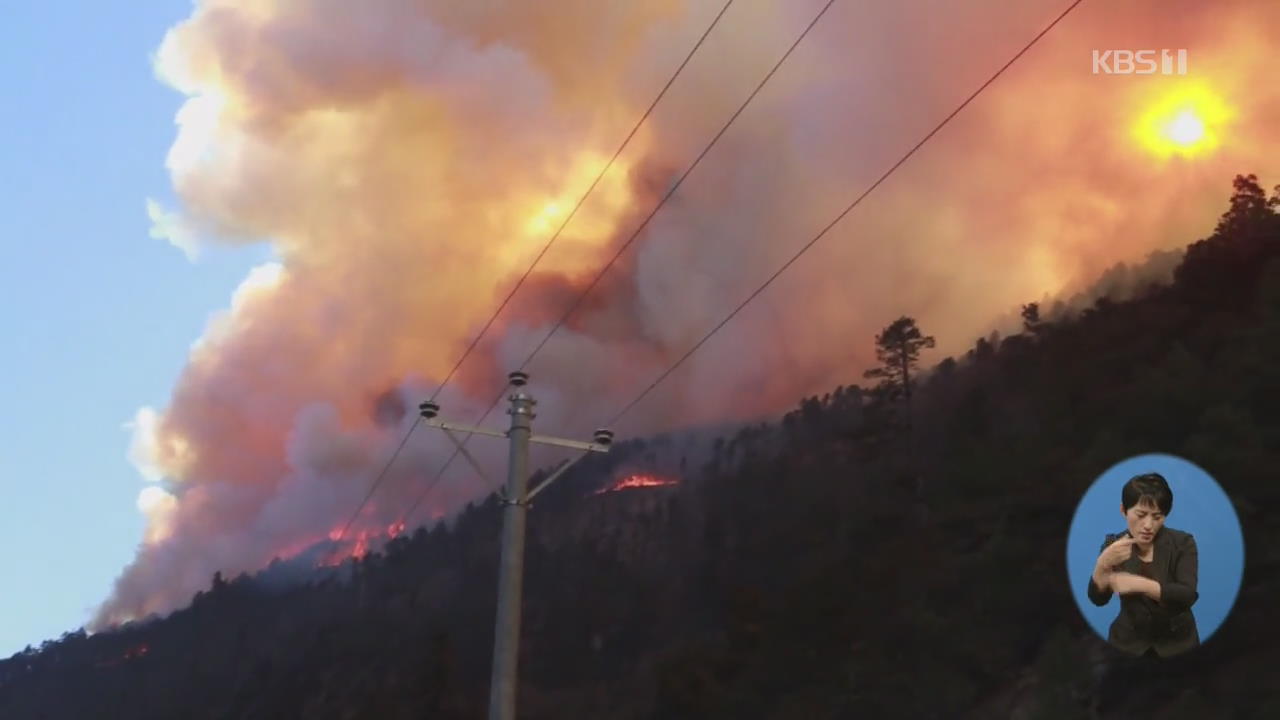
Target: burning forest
[
  {"x": 639, "y": 480},
  {"x": 406, "y": 162}
]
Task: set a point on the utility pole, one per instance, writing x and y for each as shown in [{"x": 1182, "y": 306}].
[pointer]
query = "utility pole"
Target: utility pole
[{"x": 515, "y": 506}]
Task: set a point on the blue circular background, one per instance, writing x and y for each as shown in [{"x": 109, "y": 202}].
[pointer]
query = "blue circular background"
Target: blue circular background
[{"x": 1200, "y": 507}]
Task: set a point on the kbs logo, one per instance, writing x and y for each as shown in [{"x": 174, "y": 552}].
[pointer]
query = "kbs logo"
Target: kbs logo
[{"x": 1140, "y": 62}]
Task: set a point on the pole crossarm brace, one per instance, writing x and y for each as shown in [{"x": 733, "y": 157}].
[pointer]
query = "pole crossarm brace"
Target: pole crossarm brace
[
  {"x": 540, "y": 439},
  {"x": 573, "y": 444},
  {"x": 603, "y": 441},
  {"x": 552, "y": 478},
  {"x": 465, "y": 428},
  {"x": 462, "y": 448}
]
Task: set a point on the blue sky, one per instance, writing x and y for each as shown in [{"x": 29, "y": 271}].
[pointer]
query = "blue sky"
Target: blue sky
[
  {"x": 1200, "y": 507},
  {"x": 97, "y": 315}
]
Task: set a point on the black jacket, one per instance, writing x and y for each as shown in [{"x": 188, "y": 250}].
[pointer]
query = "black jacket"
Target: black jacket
[{"x": 1166, "y": 626}]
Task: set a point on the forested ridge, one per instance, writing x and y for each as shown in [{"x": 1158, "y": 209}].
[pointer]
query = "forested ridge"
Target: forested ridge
[{"x": 894, "y": 548}]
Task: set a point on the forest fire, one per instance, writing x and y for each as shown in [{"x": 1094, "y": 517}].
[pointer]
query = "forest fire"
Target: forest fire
[
  {"x": 354, "y": 547},
  {"x": 136, "y": 652},
  {"x": 336, "y": 547},
  {"x": 469, "y": 159},
  {"x": 639, "y": 480},
  {"x": 132, "y": 653}
]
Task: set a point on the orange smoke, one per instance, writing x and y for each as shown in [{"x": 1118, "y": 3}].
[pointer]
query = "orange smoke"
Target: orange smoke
[{"x": 407, "y": 160}]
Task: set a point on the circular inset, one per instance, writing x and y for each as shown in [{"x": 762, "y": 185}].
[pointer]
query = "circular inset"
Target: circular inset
[{"x": 1164, "y": 541}]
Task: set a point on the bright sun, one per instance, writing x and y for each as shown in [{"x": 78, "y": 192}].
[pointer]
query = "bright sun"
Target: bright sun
[
  {"x": 1185, "y": 122},
  {"x": 1185, "y": 129}
]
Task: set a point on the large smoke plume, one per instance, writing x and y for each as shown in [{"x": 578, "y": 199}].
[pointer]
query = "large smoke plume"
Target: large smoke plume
[{"x": 406, "y": 159}]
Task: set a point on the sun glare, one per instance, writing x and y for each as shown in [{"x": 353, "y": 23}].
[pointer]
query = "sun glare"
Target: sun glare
[
  {"x": 546, "y": 219},
  {"x": 1186, "y": 122},
  {"x": 1185, "y": 129}
]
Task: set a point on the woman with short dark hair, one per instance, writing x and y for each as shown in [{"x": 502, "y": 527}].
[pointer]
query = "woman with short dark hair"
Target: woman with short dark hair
[{"x": 1153, "y": 568}]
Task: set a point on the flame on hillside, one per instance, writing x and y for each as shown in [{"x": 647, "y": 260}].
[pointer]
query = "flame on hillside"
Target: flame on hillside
[
  {"x": 132, "y": 653},
  {"x": 630, "y": 482},
  {"x": 356, "y": 545},
  {"x": 336, "y": 547}
]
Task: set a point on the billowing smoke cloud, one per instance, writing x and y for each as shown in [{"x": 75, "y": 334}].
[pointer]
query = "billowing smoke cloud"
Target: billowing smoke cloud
[{"x": 407, "y": 159}]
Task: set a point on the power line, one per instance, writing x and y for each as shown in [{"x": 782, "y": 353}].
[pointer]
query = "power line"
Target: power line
[
  {"x": 581, "y": 200},
  {"x": 631, "y": 239},
  {"x": 676, "y": 186},
  {"x": 839, "y": 217},
  {"x": 435, "y": 479},
  {"x": 807, "y": 246},
  {"x": 555, "y": 236},
  {"x": 381, "y": 475}
]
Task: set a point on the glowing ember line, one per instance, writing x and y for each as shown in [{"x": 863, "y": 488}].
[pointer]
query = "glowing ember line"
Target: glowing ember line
[{"x": 637, "y": 481}]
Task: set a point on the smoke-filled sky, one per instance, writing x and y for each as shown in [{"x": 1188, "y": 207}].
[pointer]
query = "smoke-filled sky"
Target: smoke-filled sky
[{"x": 403, "y": 162}]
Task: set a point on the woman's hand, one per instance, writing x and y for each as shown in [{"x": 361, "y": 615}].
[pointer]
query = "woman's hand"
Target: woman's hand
[
  {"x": 1122, "y": 582},
  {"x": 1102, "y": 579},
  {"x": 1116, "y": 553},
  {"x": 1127, "y": 584}
]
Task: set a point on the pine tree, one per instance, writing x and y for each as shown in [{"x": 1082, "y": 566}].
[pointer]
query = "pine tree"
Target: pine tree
[{"x": 898, "y": 349}]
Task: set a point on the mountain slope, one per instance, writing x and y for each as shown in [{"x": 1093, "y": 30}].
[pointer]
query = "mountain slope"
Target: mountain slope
[{"x": 830, "y": 565}]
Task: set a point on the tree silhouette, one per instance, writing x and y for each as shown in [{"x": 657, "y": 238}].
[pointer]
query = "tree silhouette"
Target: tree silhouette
[
  {"x": 898, "y": 349},
  {"x": 1031, "y": 317},
  {"x": 1249, "y": 204}
]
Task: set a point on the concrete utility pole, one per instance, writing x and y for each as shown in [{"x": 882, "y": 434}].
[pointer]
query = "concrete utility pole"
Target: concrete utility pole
[{"x": 515, "y": 501}]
